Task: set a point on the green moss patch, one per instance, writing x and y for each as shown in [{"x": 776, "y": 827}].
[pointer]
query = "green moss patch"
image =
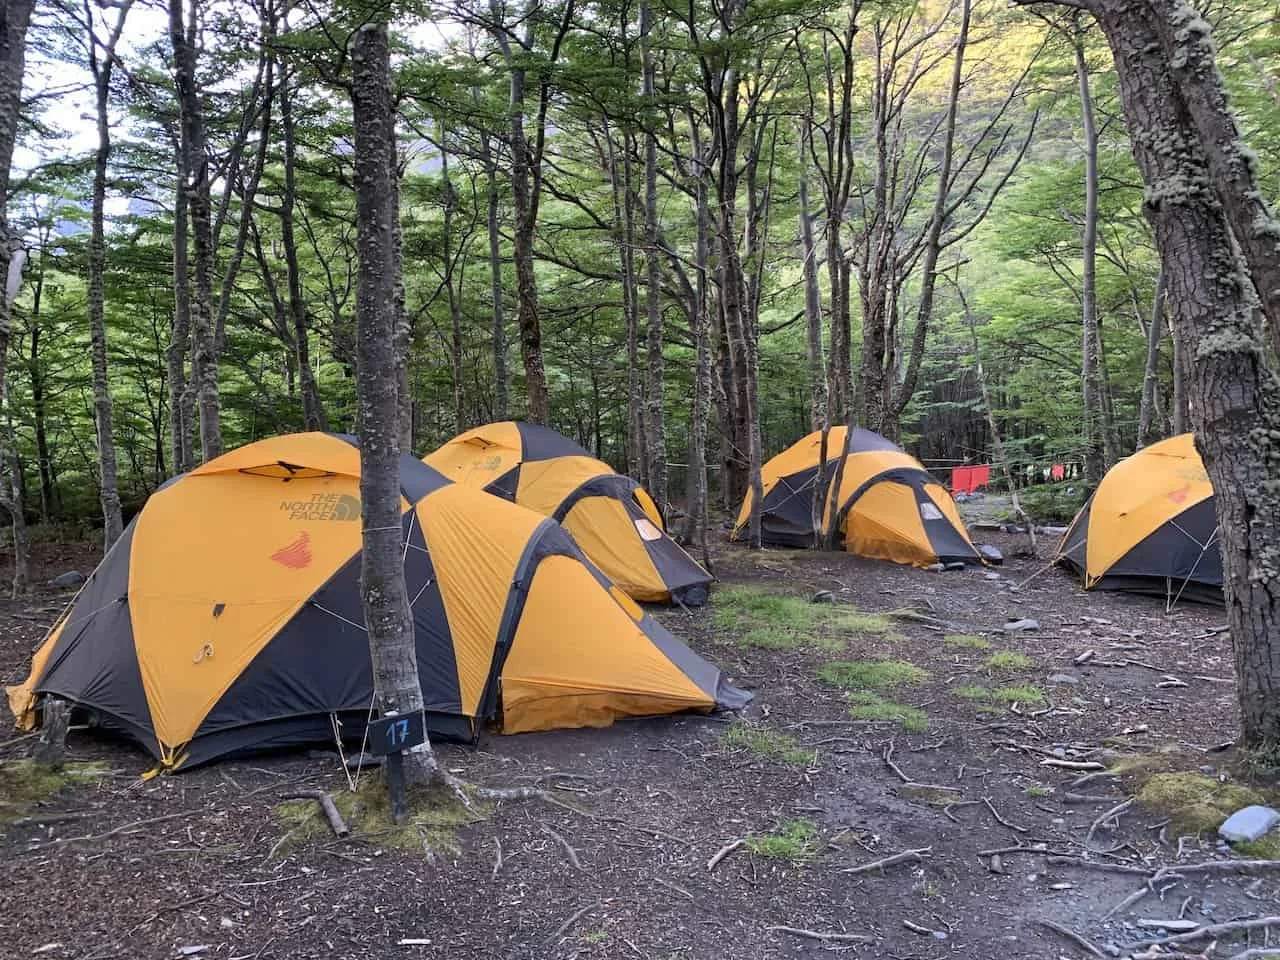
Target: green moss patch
[
  {"x": 757, "y": 618},
  {"x": 866, "y": 705},
  {"x": 871, "y": 674},
  {"x": 1193, "y": 802},
  {"x": 432, "y": 825},
  {"x": 793, "y": 840},
  {"x": 966, "y": 641},
  {"x": 1007, "y": 661},
  {"x": 767, "y": 743},
  {"x": 25, "y": 783}
]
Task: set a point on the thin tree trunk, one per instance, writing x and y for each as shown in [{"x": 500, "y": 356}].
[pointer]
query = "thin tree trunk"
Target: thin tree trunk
[
  {"x": 1148, "y": 430},
  {"x": 313, "y": 414},
  {"x": 698, "y": 520},
  {"x": 624, "y": 230},
  {"x": 454, "y": 293},
  {"x": 101, "y": 64},
  {"x": 205, "y": 366},
  {"x": 818, "y": 418},
  {"x": 655, "y": 415},
  {"x": 181, "y": 399},
  {"x": 1096, "y": 458},
  {"x": 1180, "y": 415},
  {"x": 385, "y": 598},
  {"x": 500, "y": 375}
]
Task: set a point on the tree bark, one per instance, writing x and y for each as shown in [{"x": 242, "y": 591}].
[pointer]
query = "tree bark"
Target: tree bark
[
  {"x": 181, "y": 399},
  {"x": 499, "y": 329},
  {"x": 385, "y": 598},
  {"x": 313, "y": 413},
  {"x": 624, "y": 231},
  {"x": 1148, "y": 429},
  {"x": 812, "y": 296},
  {"x": 655, "y": 415},
  {"x": 697, "y": 520},
  {"x": 102, "y": 59},
  {"x": 454, "y": 292},
  {"x": 182, "y": 37},
  {"x": 1233, "y": 381},
  {"x": 1096, "y": 456}
]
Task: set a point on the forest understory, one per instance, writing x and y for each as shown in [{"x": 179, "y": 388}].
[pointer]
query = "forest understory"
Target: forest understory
[{"x": 901, "y": 719}]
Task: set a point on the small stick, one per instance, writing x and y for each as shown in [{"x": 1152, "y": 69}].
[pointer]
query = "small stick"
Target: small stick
[
  {"x": 574, "y": 918},
  {"x": 1059, "y": 860},
  {"x": 957, "y": 803},
  {"x": 1020, "y": 848},
  {"x": 904, "y": 856},
  {"x": 568, "y": 850},
  {"x": 1072, "y": 764},
  {"x": 498, "y": 860},
  {"x": 336, "y": 823},
  {"x": 678, "y": 889},
  {"x": 1001, "y": 820},
  {"x": 1070, "y": 797},
  {"x": 1074, "y": 937},
  {"x": 1213, "y": 930},
  {"x": 1138, "y": 894},
  {"x": 888, "y": 759},
  {"x": 723, "y": 852},
  {"x": 1090, "y": 777},
  {"x": 824, "y": 936},
  {"x": 1115, "y": 811},
  {"x": 917, "y": 928}
]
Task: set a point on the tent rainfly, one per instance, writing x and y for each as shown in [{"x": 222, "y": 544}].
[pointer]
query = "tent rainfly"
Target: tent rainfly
[
  {"x": 883, "y": 503},
  {"x": 610, "y": 516},
  {"x": 1150, "y": 527},
  {"x": 228, "y": 617}
]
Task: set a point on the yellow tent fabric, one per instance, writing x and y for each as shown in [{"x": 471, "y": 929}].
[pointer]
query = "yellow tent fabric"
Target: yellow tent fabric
[
  {"x": 228, "y": 616},
  {"x": 612, "y": 518},
  {"x": 1151, "y": 520},
  {"x": 883, "y": 503}
]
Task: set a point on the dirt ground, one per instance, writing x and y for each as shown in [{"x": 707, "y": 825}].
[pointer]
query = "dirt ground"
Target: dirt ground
[{"x": 194, "y": 864}]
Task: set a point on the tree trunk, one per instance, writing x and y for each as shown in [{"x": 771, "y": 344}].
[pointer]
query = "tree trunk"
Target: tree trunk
[
  {"x": 313, "y": 414},
  {"x": 1096, "y": 458},
  {"x": 624, "y": 231},
  {"x": 454, "y": 292},
  {"x": 500, "y": 376},
  {"x": 697, "y": 520},
  {"x": 387, "y": 615},
  {"x": 1180, "y": 415},
  {"x": 1233, "y": 382},
  {"x": 812, "y": 297},
  {"x": 655, "y": 414},
  {"x": 197, "y": 182},
  {"x": 1148, "y": 429},
  {"x": 102, "y": 56},
  {"x": 181, "y": 399}
]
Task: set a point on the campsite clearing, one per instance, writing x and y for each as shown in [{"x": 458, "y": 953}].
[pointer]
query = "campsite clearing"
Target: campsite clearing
[{"x": 819, "y": 818}]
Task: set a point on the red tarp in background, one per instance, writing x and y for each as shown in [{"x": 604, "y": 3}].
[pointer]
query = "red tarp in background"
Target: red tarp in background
[
  {"x": 969, "y": 479},
  {"x": 1058, "y": 471}
]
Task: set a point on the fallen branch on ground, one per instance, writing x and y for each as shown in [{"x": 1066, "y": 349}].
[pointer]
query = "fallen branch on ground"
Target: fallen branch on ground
[
  {"x": 1001, "y": 820},
  {"x": 904, "y": 856},
  {"x": 1212, "y": 931},
  {"x": 1072, "y": 764},
  {"x": 1131, "y": 899},
  {"x": 499, "y": 860},
  {"x": 820, "y": 935},
  {"x": 1115, "y": 811},
  {"x": 1074, "y": 937},
  {"x": 329, "y": 808},
  {"x": 569, "y": 852},
  {"x": 573, "y": 918},
  {"x": 724, "y": 852}
]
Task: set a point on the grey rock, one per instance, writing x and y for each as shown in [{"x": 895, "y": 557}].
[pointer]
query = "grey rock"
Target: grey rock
[
  {"x": 1249, "y": 824},
  {"x": 992, "y": 575},
  {"x": 1025, "y": 623},
  {"x": 1208, "y": 768},
  {"x": 823, "y": 596},
  {"x": 1064, "y": 679},
  {"x": 936, "y": 567},
  {"x": 72, "y": 578}
]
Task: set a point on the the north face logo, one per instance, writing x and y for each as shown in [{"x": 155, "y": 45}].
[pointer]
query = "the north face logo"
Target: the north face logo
[
  {"x": 323, "y": 506},
  {"x": 296, "y": 555}
]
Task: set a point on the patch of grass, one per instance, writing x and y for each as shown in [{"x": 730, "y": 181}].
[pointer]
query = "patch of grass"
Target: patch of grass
[
  {"x": 25, "y": 783},
  {"x": 1037, "y": 791},
  {"x": 1008, "y": 660},
  {"x": 793, "y": 840},
  {"x": 966, "y": 640},
  {"x": 871, "y": 706},
  {"x": 432, "y": 825},
  {"x": 1264, "y": 848},
  {"x": 767, "y": 743},
  {"x": 1020, "y": 693},
  {"x": 757, "y": 618},
  {"x": 871, "y": 674},
  {"x": 1194, "y": 802},
  {"x": 596, "y": 936}
]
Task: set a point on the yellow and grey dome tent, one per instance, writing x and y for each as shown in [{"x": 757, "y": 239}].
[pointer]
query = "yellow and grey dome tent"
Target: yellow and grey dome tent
[
  {"x": 610, "y": 516},
  {"x": 228, "y": 615},
  {"x": 1150, "y": 527},
  {"x": 887, "y": 506}
]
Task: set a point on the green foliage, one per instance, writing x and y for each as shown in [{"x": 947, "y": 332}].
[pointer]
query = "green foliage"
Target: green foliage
[
  {"x": 793, "y": 840},
  {"x": 767, "y": 743},
  {"x": 1195, "y": 803},
  {"x": 871, "y": 674},
  {"x": 755, "y": 617},
  {"x": 866, "y": 705},
  {"x": 1008, "y": 661},
  {"x": 966, "y": 641},
  {"x": 25, "y": 783},
  {"x": 1021, "y": 693}
]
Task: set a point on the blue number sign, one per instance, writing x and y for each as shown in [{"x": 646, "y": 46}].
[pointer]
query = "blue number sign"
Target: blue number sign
[{"x": 397, "y": 732}]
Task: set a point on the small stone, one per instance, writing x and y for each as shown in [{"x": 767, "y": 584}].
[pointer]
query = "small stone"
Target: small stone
[
  {"x": 1058, "y": 822},
  {"x": 1111, "y": 949},
  {"x": 939, "y": 935},
  {"x": 1249, "y": 824},
  {"x": 823, "y": 596},
  {"x": 1208, "y": 768},
  {"x": 954, "y": 565},
  {"x": 992, "y": 575},
  {"x": 990, "y": 554},
  {"x": 1169, "y": 926},
  {"x": 936, "y": 567},
  {"x": 72, "y": 578},
  {"x": 996, "y": 865},
  {"x": 1025, "y": 623},
  {"x": 1065, "y": 679},
  {"x": 194, "y": 950}
]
